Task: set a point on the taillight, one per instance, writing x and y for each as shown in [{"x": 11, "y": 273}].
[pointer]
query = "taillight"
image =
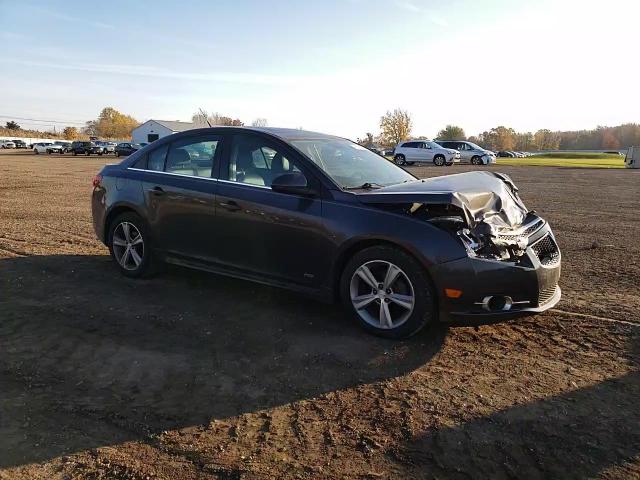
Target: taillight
[{"x": 97, "y": 181}]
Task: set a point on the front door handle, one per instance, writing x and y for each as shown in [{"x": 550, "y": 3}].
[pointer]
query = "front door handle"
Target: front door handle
[
  {"x": 157, "y": 191},
  {"x": 230, "y": 205}
]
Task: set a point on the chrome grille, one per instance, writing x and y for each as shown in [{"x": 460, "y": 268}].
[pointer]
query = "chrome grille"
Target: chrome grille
[
  {"x": 525, "y": 233},
  {"x": 545, "y": 295},
  {"x": 547, "y": 251}
]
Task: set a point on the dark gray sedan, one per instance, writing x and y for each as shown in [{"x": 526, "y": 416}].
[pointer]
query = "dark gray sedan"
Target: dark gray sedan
[{"x": 324, "y": 216}]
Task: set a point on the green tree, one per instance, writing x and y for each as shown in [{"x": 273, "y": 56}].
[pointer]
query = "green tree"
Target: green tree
[
  {"x": 111, "y": 124},
  {"x": 451, "y": 132},
  {"x": 70, "y": 133},
  {"x": 12, "y": 125},
  {"x": 395, "y": 126}
]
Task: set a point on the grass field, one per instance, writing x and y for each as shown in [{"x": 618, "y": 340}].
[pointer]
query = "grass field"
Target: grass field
[{"x": 599, "y": 161}]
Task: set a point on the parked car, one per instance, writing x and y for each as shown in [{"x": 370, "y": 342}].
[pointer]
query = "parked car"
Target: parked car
[
  {"x": 325, "y": 216},
  {"x": 107, "y": 147},
  {"x": 60, "y": 147},
  {"x": 470, "y": 152},
  {"x": 7, "y": 144},
  {"x": 413, "y": 151},
  {"x": 83, "y": 147},
  {"x": 41, "y": 147},
  {"x": 505, "y": 154},
  {"x": 125, "y": 149},
  {"x": 19, "y": 143}
]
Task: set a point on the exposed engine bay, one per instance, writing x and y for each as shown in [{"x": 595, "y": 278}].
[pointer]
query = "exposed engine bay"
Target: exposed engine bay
[{"x": 482, "y": 209}]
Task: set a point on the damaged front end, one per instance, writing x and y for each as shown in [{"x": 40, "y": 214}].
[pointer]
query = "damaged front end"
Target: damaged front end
[
  {"x": 512, "y": 262},
  {"x": 482, "y": 209}
]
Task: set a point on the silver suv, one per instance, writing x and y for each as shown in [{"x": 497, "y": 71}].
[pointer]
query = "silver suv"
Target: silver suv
[
  {"x": 470, "y": 152},
  {"x": 410, "y": 152}
]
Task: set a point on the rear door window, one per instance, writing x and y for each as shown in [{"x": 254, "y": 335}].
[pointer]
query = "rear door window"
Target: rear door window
[
  {"x": 156, "y": 158},
  {"x": 192, "y": 156}
]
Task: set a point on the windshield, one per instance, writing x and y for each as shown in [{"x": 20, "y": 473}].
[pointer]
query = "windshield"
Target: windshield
[
  {"x": 351, "y": 165},
  {"x": 474, "y": 146}
]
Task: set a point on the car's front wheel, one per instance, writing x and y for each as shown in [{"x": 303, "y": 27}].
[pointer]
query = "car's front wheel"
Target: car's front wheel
[
  {"x": 388, "y": 292},
  {"x": 400, "y": 160},
  {"x": 476, "y": 160},
  {"x": 439, "y": 160},
  {"x": 130, "y": 246}
]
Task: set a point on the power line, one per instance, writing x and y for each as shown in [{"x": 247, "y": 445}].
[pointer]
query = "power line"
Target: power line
[{"x": 65, "y": 122}]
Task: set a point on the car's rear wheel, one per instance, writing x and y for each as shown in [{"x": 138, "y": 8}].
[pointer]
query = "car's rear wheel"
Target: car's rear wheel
[
  {"x": 439, "y": 160},
  {"x": 130, "y": 245},
  {"x": 400, "y": 160},
  {"x": 388, "y": 292}
]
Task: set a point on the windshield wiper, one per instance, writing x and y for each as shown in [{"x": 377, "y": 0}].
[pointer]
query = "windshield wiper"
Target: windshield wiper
[{"x": 366, "y": 186}]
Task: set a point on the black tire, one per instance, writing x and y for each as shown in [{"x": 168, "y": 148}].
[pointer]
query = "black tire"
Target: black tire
[
  {"x": 148, "y": 263},
  {"x": 87, "y": 153},
  {"x": 75, "y": 153},
  {"x": 424, "y": 310},
  {"x": 99, "y": 154},
  {"x": 399, "y": 160},
  {"x": 117, "y": 154},
  {"x": 475, "y": 160},
  {"x": 439, "y": 160}
]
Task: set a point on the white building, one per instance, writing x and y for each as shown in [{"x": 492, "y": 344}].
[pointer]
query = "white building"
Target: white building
[{"x": 154, "y": 129}]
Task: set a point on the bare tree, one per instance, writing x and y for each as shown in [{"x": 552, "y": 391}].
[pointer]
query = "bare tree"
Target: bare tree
[
  {"x": 395, "y": 126},
  {"x": 259, "y": 122},
  {"x": 202, "y": 118}
]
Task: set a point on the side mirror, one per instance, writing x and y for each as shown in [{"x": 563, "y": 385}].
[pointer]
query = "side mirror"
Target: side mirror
[{"x": 294, "y": 183}]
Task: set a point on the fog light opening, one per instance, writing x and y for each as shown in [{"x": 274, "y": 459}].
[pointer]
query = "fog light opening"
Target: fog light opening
[{"x": 496, "y": 303}]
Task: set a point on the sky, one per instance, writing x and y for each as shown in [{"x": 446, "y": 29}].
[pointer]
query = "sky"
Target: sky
[{"x": 334, "y": 66}]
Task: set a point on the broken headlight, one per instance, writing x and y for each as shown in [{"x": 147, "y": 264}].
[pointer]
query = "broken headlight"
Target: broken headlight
[{"x": 484, "y": 241}]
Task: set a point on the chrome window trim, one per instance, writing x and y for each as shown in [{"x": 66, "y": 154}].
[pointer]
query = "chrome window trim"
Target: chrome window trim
[
  {"x": 245, "y": 184},
  {"x": 201, "y": 178},
  {"x": 171, "y": 173}
]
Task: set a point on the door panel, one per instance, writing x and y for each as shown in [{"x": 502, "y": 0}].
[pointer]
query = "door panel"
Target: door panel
[
  {"x": 180, "y": 195},
  {"x": 275, "y": 235},
  {"x": 272, "y": 234}
]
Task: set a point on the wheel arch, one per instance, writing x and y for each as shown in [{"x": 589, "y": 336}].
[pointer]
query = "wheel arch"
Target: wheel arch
[
  {"x": 113, "y": 213},
  {"x": 349, "y": 251}
]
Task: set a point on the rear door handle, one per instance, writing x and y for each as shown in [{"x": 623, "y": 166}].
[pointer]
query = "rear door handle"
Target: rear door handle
[
  {"x": 157, "y": 191},
  {"x": 230, "y": 205}
]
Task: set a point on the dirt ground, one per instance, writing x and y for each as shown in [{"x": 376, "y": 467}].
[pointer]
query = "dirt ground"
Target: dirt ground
[{"x": 191, "y": 375}]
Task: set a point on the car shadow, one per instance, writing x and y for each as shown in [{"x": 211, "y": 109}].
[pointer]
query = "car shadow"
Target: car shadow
[
  {"x": 90, "y": 358},
  {"x": 584, "y": 433}
]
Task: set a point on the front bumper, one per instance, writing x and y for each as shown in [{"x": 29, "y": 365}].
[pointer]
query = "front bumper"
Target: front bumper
[{"x": 531, "y": 284}]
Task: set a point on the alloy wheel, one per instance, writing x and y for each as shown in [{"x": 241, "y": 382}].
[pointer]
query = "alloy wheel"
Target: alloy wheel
[
  {"x": 382, "y": 294},
  {"x": 128, "y": 246}
]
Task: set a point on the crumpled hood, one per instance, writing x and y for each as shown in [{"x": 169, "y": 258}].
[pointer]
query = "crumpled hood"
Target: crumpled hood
[{"x": 482, "y": 196}]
